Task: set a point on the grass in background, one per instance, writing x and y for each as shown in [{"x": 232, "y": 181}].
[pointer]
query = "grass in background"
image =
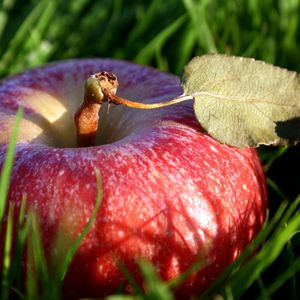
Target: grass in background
[{"x": 167, "y": 34}]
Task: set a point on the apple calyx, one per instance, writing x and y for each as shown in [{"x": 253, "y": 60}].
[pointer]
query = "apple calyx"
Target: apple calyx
[{"x": 100, "y": 88}]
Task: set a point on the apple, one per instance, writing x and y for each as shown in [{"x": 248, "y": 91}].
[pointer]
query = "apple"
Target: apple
[{"x": 171, "y": 193}]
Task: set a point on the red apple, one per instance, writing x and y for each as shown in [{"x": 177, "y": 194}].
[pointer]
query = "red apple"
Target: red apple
[{"x": 171, "y": 193}]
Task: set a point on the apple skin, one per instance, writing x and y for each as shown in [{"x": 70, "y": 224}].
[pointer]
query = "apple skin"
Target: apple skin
[{"x": 171, "y": 193}]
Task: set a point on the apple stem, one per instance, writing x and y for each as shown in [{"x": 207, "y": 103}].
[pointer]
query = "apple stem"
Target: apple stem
[
  {"x": 86, "y": 122},
  {"x": 118, "y": 100},
  {"x": 99, "y": 88}
]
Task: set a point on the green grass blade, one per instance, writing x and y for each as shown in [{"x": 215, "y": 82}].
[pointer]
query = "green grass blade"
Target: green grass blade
[
  {"x": 22, "y": 211},
  {"x": 257, "y": 41},
  {"x": 272, "y": 158},
  {"x": 291, "y": 264},
  {"x": 22, "y": 234},
  {"x": 225, "y": 276},
  {"x": 147, "y": 20},
  {"x": 147, "y": 53},
  {"x": 263, "y": 291},
  {"x": 155, "y": 288},
  {"x": 33, "y": 45},
  {"x": 4, "y": 14},
  {"x": 284, "y": 275},
  {"x": 31, "y": 273},
  {"x": 7, "y": 165},
  {"x": 185, "y": 46},
  {"x": 292, "y": 209},
  {"x": 252, "y": 270},
  {"x": 5, "y": 282},
  {"x": 20, "y": 37},
  {"x": 276, "y": 189},
  {"x": 198, "y": 19},
  {"x": 130, "y": 278},
  {"x": 197, "y": 266},
  {"x": 75, "y": 245},
  {"x": 36, "y": 249}
]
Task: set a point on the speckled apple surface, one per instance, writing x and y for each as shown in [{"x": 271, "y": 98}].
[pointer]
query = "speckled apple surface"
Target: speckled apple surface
[{"x": 171, "y": 193}]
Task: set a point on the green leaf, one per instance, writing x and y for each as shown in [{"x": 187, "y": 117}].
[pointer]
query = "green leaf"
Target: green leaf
[{"x": 243, "y": 102}]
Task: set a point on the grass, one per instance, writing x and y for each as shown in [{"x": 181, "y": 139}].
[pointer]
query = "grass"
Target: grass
[{"x": 165, "y": 34}]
